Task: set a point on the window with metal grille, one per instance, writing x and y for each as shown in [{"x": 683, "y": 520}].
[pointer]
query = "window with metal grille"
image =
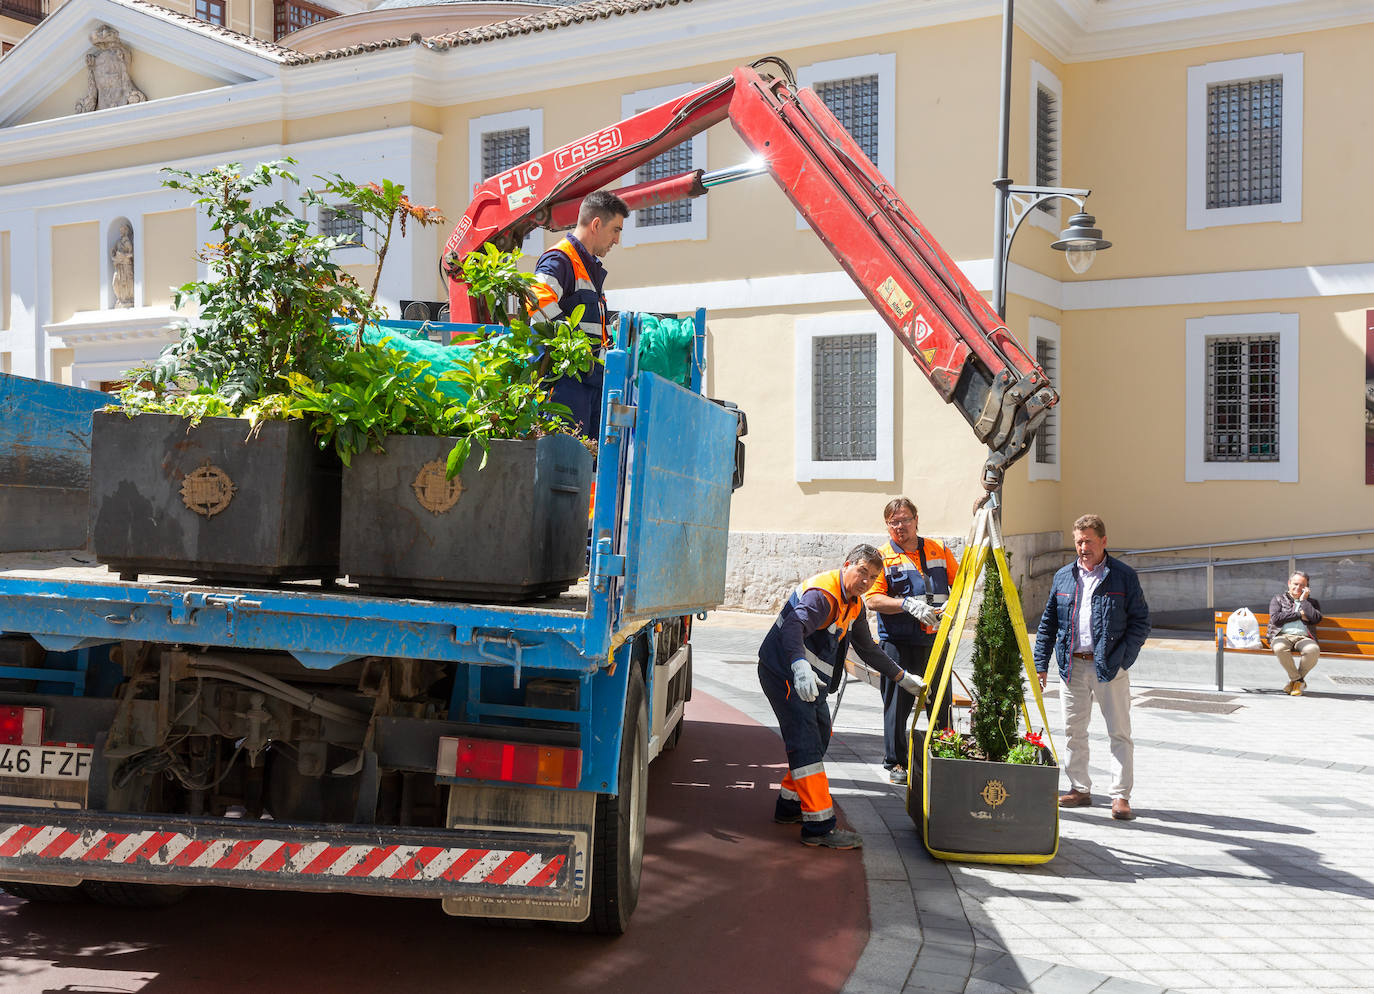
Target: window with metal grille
[
  {"x": 211, "y": 11},
  {"x": 1243, "y": 398},
  {"x": 844, "y": 398},
  {"x": 502, "y": 150},
  {"x": 854, "y": 102},
  {"x": 1047, "y": 143},
  {"x": 342, "y": 222},
  {"x": 1245, "y": 143},
  {"x": 292, "y": 15},
  {"x": 1047, "y": 437},
  {"x": 674, "y": 162}
]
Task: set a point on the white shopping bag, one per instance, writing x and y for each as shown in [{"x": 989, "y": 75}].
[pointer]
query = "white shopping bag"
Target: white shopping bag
[{"x": 1242, "y": 630}]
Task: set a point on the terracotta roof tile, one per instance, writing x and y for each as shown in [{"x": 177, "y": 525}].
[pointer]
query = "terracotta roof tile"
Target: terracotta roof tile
[{"x": 550, "y": 20}]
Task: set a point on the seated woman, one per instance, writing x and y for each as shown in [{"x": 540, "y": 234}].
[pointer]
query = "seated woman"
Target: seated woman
[{"x": 1293, "y": 616}]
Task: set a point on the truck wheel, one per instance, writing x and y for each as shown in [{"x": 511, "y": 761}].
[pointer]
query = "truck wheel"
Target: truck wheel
[
  {"x": 43, "y": 893},
  {"x": 121, "y": 895},
  {"x": 618, "y": 850}
]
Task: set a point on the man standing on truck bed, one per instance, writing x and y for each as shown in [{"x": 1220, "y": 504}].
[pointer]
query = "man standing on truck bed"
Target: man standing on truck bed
[
  {"x": 571, "y": 274},
  {"x": 807, "y": 644}
]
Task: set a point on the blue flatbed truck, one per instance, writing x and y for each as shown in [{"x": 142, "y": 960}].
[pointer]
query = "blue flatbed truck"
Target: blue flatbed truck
[{"x": 160, "y": 733}]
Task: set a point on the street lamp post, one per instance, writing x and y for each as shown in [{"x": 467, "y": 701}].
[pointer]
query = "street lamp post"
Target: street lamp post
[{"x": 1081, "y": 240}]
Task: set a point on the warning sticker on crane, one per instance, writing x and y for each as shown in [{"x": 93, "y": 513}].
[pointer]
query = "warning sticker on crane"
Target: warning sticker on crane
[{"x": 895, "y": 297}]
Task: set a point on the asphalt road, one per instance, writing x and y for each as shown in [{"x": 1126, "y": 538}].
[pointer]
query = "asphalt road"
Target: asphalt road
[{"x": 729, "y": 902}]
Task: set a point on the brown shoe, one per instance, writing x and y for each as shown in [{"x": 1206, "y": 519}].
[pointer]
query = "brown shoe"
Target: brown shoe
[
  {"x": 1288, "y": 687},
  {"x": 1075, "y": 799},
  {"x": 1298, "y": 687},
  {"x": 1121, "y": 809}
]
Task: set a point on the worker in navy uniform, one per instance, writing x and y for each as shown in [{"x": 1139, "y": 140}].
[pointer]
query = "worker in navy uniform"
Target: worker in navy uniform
[
  {"x": 801, "y": 660},
  {"x": 908, "y": 598},
  {"x": 570, "y": 275}
]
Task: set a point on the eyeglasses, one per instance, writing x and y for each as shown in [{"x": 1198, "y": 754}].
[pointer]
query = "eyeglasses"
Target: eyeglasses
[{"x": 900, "y": 522}]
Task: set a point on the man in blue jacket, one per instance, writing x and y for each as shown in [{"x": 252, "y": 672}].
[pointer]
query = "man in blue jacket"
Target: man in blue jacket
[{"x": 1095, "y": 623}]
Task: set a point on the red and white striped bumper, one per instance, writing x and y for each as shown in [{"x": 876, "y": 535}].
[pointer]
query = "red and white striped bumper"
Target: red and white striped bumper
[{"x": 75, "y": 845}]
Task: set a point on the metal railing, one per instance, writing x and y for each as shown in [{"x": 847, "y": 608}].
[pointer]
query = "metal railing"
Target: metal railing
[
  {"x": 1211, "y": 563},
  {"x": 32, "y": 11}
]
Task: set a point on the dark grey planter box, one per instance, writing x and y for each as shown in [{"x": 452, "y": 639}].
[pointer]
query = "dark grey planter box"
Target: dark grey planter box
[
  {"x": 206, "y": 502},
  {"x": 515, "y": 530},
  {"x": 981, "y": 809}
]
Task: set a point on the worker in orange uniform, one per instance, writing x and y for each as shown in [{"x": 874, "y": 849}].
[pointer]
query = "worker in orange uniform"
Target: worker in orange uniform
[
  {"x": 801, "y": 660},
  {"x": 570, "y": 275},
  {"x": 909, "y": 597}
]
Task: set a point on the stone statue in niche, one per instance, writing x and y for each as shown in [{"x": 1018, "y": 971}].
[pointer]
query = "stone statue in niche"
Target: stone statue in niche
[
  {"x": 109, "y": 84},
  {"x": 122, "y": 256}
]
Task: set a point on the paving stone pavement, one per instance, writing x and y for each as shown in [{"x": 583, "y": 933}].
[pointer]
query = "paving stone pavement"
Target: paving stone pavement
[{"x": 1247, "y": 869}]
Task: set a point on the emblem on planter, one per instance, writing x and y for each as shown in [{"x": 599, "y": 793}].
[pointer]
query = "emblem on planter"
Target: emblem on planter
[
  {"x": 207, "y": 490},
  {"x": 433, "y": 490},
  {"x": 994, "y": 793}
]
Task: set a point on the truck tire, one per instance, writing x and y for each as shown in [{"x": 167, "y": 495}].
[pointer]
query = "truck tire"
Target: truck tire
[
  {"x": 43, "y": 893},
  {"x": 122, "y": 895},
  {"x": 618, "y": 849}
]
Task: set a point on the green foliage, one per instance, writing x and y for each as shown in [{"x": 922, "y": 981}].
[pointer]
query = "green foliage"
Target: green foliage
[
  {"x": 265, "y": 309},
  {"x": 948, "y": 744},
  {"x": 1029, "y": 751},
  {"x": 370, "y": 393},
  {"x": 377, "y": 390},
  {"x": 998, "y": 673}
]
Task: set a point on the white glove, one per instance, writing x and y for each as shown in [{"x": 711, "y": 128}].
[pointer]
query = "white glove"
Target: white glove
[
  {"x": 912, "y": 684},
  {"x": 804, "y": 680},
  {"x": 922, "y": 610}
]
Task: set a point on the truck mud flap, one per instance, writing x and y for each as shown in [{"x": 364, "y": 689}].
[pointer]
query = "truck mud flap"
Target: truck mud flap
[{"x": 537, "y": 868}]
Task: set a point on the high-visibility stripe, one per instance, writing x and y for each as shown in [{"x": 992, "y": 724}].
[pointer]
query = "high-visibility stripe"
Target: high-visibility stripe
[
  {"x": 814, "y": 790},
  {"x": 801, "y": 772},
  {"x": 57, "y": 845}
]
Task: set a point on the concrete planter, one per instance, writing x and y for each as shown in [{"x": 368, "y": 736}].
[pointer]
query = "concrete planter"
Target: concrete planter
[
  {"x": 514, "y": 530},
  {"x": 205, "y": 501}
]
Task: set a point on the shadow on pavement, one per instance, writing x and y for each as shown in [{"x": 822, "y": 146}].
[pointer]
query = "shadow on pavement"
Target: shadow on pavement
[{"x": 729, "y": 902}]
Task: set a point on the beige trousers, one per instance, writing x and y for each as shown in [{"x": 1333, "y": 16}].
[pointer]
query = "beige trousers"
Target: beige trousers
[
  {"x": 1114, "y": 701},
  {"x": 1284, "y": 647}
]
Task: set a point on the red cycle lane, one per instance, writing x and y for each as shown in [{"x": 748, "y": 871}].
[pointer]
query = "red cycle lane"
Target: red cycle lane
[{"x": 729, "y": 903}]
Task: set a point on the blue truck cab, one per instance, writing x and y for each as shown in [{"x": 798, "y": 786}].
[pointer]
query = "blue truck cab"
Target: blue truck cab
[{"x": 162, "y": 733}]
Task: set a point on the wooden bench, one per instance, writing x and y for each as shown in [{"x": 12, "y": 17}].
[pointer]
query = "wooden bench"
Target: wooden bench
[{"x": 1339, "y": 638}]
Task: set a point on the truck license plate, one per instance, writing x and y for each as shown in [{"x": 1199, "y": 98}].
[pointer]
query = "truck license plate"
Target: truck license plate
[{"x": 46, "y": 762}]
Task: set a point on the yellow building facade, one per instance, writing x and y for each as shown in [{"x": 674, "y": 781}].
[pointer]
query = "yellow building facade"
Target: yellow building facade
[{"x": 1212, "y": 362}]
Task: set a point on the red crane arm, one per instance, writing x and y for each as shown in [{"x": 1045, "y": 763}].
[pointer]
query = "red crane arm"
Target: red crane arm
[{"x": 951, "y": 331}]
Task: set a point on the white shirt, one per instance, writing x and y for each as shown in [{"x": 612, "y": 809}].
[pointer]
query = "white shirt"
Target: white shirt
[{"x": 1083, "y": 626}]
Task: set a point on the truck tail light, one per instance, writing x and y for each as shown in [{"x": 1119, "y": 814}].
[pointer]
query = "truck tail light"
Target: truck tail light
[
  {"x": 21, "y": 726},
  {"x": 509, "y": 762}
]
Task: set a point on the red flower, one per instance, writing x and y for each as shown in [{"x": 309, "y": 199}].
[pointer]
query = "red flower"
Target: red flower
[{"x": 1035, "y": 739}]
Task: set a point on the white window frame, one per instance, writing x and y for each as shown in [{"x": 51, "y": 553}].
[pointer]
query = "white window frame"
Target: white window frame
[
  {"x": 531, "y": 118},
  {"x": 808, "y": 329},
  {"x": 692, "y": 230},
  {"x": 1196, "y": 467},
  {"x": 1041, "y": 328},
  {"x": 1040, "y": 76},
  {"x": 884, "y": 65},
  {"x": 1289, "y": 207}
]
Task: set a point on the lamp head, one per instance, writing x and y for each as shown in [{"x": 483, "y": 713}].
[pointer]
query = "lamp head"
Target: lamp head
[{"x": 1080, "y": 242}]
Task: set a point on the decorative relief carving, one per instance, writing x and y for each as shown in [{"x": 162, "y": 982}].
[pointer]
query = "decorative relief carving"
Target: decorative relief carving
[
  {"x": 109, "y": 83},
  {"x": 207, "y": 490},
  {"x": 433, "y": 489},
  {"x": 122, "y": 258}
]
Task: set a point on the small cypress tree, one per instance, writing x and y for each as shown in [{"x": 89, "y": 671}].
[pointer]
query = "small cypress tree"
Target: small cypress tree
[{"x": 998, "y": 672}]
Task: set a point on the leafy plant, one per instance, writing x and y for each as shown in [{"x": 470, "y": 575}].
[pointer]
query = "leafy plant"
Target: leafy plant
[
  {"x": 497, "y": 388},
  {"x": 948, "y": 744},
  {"x": 998, "y": 673},
  {"x": 1028, "y": 751}
]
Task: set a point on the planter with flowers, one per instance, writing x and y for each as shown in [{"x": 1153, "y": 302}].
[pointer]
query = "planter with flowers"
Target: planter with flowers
[
  {"x": 989, "y": 795},
  {"x": 201, "y": 469}
]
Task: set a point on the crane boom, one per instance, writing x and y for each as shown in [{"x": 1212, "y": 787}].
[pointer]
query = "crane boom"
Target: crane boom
[{"x": 952, "y": 333}]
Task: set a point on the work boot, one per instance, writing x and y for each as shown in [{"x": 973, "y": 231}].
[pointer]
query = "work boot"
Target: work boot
[
  {"x": 787, "y": 819},
  {"x": 897, "y": 775},
  {"x": 837, "y": 838}
]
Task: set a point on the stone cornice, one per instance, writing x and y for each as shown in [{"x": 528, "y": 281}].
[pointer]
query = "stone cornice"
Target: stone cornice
[{"x": 132, "y": 324}]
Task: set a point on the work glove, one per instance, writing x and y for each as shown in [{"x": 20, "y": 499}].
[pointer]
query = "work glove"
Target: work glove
[
  {"x": 804, "y": 680},
  {"x": 922, "y": 610},
  {"x": 912, "y": 684}
]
